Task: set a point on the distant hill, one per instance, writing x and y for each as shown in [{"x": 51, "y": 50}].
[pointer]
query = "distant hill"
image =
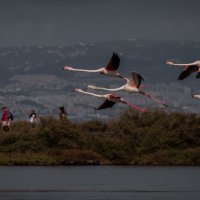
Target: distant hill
[{"x": 35, "y": 73}]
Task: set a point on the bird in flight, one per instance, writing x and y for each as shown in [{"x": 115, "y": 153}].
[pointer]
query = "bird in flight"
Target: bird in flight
[
  {"x": 197, "y": 96},
  {"x": 110, "y": 69},
  {"x": 189, "y": 68},
  {"x": 110, "y": 100},
  {"x": 132, "y": 86}
]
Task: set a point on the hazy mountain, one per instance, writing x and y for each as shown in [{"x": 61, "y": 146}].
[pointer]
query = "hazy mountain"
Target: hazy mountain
[{"x": 33, "y": 76}]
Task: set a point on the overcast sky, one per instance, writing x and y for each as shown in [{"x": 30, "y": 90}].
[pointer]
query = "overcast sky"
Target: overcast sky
[{"x": 63, "y": 22}]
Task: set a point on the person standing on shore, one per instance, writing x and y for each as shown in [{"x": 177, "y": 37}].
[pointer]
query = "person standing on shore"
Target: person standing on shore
[
  {"x": 33, "y": 118},
  {"x": 6, "y": 119},
  {"x": 63, "y": 113}
]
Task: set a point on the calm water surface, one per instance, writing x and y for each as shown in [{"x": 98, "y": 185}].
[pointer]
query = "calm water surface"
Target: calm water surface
[{"x": 99, "y": 183}]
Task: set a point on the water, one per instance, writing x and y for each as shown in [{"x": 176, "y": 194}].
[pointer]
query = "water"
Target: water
[{"x": 99, "y": 183}]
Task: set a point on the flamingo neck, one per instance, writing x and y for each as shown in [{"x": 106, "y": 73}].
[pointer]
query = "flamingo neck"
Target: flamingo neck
[
  {"x": 110, "y": 89},
  {"x": 85, "y": 70},
  {"x": 92, "y": 94}
]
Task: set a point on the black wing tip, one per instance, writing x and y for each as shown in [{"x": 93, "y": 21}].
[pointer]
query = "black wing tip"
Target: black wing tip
[
  {"x": 115, "y": 55},
  {"x": 138, "y": 75},
  {"x": 97, "y": 108},
  {"x": 115, "y": 59},
  {"x": 198, "y": 75},
  {"x": 106, "y": 104},
  {"x": 180, "y": 78},
  {"x": 141, "y": 77}
]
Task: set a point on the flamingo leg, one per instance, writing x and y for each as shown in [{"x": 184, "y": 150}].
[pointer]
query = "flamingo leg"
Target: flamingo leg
[
  {"x": 155, "y": 99},
  {"x": 136, "y": 107}
]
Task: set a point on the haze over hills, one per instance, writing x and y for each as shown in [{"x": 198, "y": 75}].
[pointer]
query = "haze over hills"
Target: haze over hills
[{"x": 32, "y": 77}]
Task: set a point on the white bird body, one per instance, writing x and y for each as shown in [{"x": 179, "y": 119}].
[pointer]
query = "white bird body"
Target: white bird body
[
  {"x": 132, "y": 86},
  {"x": 110, "y": 100},
  {"x": 110, "y": 69},
  {"x": 128, "y": 87},
  {"x": 125, "y": 87},
  {"x": 109, "y": 73},
  {"x": 189, "y": 68},
  {"x": 197, "y": 96}
]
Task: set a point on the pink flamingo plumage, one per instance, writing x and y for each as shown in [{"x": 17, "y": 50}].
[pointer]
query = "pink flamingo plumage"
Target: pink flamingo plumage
[
  {"x": 110, "y": 69},
  {"x": 189, "y": 68},
  {"x": 132, "y": 86},
  {"x": 110, "y": 100}
]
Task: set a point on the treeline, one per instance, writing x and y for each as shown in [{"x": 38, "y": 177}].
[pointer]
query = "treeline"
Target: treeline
[{"x": 152, "y": 138}]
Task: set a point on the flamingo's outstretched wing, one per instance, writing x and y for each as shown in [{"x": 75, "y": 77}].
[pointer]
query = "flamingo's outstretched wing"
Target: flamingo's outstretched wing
[
  {"x": 188, "y": 71},
  {"x": 113, "y": 64},
  {"x": 136, "y": 79},
  {"x": 106, "y": 104}
]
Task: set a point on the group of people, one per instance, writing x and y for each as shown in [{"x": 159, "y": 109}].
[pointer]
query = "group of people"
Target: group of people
[{"x": 7, "y": 118}]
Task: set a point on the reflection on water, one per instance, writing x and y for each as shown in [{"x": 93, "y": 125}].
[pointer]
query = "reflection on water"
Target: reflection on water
[{"x": 99, "y": 182}]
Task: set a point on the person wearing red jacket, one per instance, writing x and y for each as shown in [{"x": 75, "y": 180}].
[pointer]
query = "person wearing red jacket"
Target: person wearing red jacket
[{"x": 5, "y": 121}]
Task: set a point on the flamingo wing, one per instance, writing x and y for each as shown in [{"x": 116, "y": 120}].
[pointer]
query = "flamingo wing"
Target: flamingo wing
[
  {"x": 113, "y": 64},
  {"x": 136, "y": 79},
  {"x": 106, "y": 104},
  {"x": 188, "y": 71},
  {"x": 198, "y": 75}
]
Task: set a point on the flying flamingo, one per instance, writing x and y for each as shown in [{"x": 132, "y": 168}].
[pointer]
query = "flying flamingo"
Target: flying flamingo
[
  {"x": 110, "y": 100},
  {"x": 110, "y": 69},
  {"x": 188, "y": 69},
  {"x": 132, "y": 86},
  {"x": 197, "y": 96}
]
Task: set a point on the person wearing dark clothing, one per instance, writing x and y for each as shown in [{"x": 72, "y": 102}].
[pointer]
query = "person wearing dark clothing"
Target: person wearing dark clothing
[
  {"x": 33, "y": 118},
  {"x": 63, "y": 113}
]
